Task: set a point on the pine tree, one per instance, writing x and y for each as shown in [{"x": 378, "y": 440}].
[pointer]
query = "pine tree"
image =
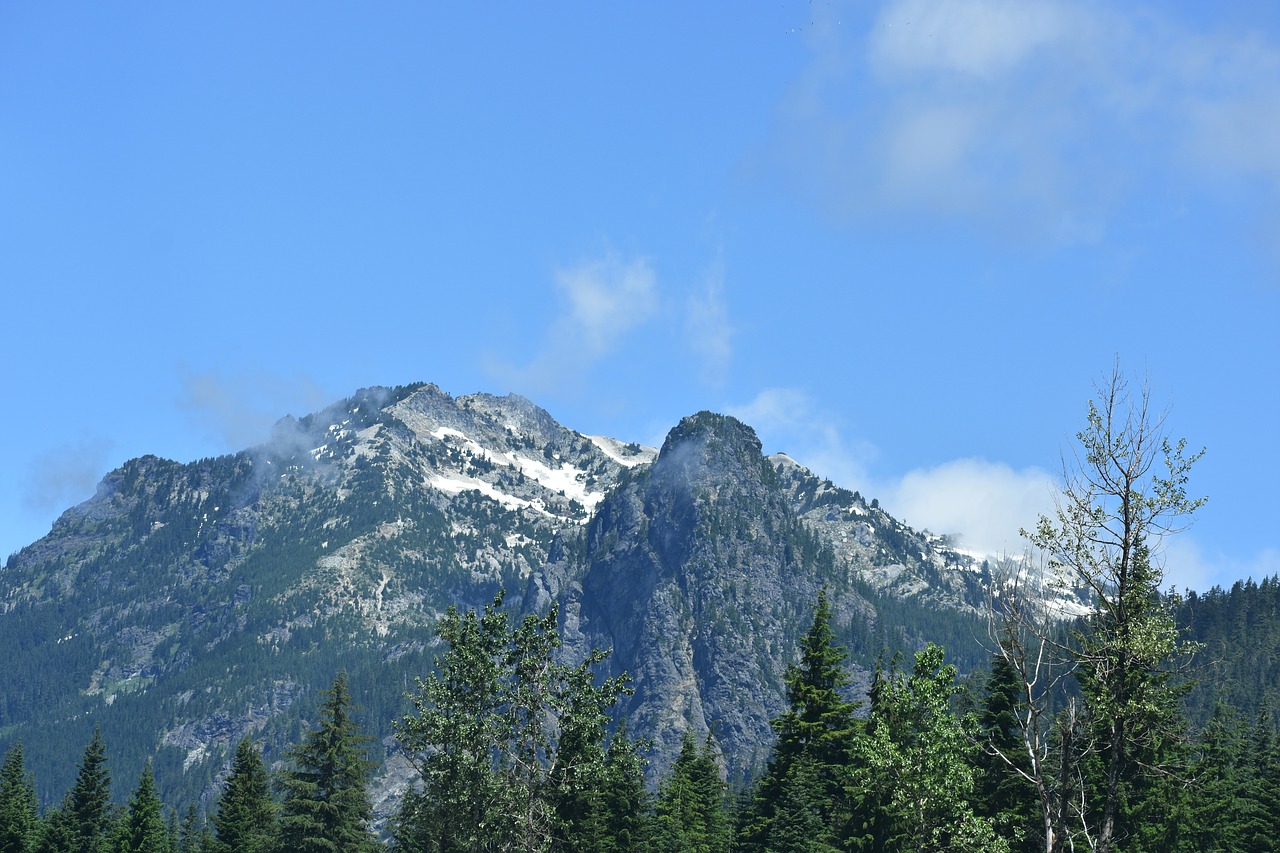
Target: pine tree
[
  {"x": 1004, "y": 793},
  {"x": 815, "y": 739},
  {"x": 325, "y": 806},
  {"x": 19, "y": 810},
  {"x": 83, "y": 823},
  {"x": 142, "y": 829},
  {"x": 194, "y": 835},
  {"x": 690, "y": 814},
  {"x": 246, "y": 816}
]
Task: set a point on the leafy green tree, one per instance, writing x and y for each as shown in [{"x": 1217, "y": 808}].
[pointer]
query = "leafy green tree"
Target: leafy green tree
[
  {"x": 19, "y": 810},
  {"x": 917, "y": 762},
  {"x": 246, "y": 818},
  {"x": 511, "y": 745},
  {"x": 1123, "y": 490},
  {"x": 454, "y": 733},
  {"x": 691, "y": 814},
  {"x": 141, "y": 828},
  {"x": 325, "y": 805},
  {"x": 816, "y": 736}
]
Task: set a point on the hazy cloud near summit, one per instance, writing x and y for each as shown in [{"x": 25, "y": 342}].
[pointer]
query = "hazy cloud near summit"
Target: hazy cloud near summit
[
  {"x": 790, "y": 421},
  {"x": 66, "y": 474},
  {"x": 241, "y": 408},
  {"x": 1037, "y": 119}
]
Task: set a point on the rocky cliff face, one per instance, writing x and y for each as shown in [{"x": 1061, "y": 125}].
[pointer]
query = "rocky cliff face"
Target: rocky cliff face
[
  {"x": 699, "y": 574},
  {"x": 187, "y": 605}
]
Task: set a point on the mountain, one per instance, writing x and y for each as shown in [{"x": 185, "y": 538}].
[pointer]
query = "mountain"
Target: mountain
[{"x": 187, "y": 605}]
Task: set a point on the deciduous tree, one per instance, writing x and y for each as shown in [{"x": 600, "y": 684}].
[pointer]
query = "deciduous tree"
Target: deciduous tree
[{"x": 1124, "y": 488}]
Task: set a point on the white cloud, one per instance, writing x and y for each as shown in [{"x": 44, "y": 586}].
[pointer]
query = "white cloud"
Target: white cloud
[
  {"x": 979, "y": 38},
  {"x": 604, "y": 299},
  {"x": 1036, "y": 118},
  {"x": 707, "y": 329},
  {"x": 985, "y": 503}
]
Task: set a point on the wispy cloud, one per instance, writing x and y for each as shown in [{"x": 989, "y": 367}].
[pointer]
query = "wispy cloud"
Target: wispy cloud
[
  {"x": 603, "y": 300},
  {"x": 1039, "y": 118},
  {"x": 791, "y": 421},
  {"x": 1187, "y": 566},
  {"x": 66, "y": 474},
  {"x": 241, "y": 408},
  {"x": 707, "y": 329}
]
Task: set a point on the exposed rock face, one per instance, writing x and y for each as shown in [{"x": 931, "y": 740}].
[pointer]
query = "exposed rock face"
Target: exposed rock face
[
  {"x": 188, "y": 605},
  {"x": 699, "y": 573}
]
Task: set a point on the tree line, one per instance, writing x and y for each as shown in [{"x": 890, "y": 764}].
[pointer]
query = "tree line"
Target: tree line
[{"x": 1077, "y": 738}]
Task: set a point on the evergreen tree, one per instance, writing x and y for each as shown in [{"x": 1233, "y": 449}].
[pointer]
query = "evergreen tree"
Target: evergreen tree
[
  {"x": 798, "y": 824},
  {"x": 19, "y": 810},
  {"x": 325, "y": 806},
  {"x": 691, "y": 814},
  {"x": 142, "y": 828},
  {"x": 194, "y": 835},
  {"x": 1004, "y": 794},
  {"x": 815, "y": 739},
  {"x": 245, "y": 820},
  {"x": 83, "y": 823}
]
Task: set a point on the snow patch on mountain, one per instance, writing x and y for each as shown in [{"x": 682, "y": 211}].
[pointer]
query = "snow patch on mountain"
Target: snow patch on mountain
[
  {"x": 455, "y": 484},
  {"x": 622, "y": 453}
]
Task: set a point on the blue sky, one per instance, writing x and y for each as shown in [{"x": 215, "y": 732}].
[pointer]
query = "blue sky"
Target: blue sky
[{"x": 902, "y": 239}]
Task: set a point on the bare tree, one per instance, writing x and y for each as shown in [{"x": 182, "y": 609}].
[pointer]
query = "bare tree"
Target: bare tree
[{"x": 1123, "y": 490}]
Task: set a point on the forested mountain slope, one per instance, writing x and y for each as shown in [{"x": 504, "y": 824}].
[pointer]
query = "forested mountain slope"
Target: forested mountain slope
[{"x": 187, "y": 605}]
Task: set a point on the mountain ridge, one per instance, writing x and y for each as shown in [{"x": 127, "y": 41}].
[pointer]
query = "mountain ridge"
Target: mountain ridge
[{"x": 210, "y": 599}]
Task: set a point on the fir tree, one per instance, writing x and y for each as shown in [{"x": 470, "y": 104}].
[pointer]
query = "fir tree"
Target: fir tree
[
  {"x": 245, "y": 820},
  {"x": 815, "y": 738},
  {"x": 1005, "y": 794},
  {"x": 19, "y": 810},
  {"x": 83, "y": 823},
  {"x": 691, "y": 815},
  {"x": 325, "y": 807},
  {"x": 194, "y": 835},
  {"x": 142, "y": 829}
]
